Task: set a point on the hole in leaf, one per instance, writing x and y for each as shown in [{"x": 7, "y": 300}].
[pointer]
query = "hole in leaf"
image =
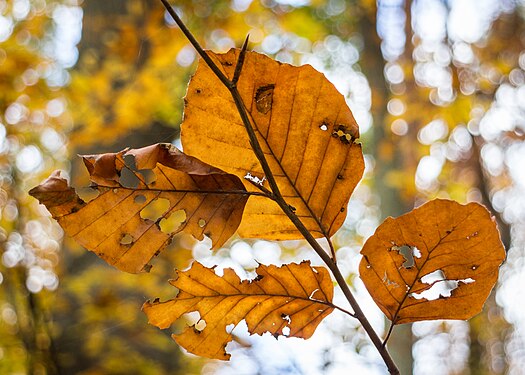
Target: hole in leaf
[
  {"x": 126, "y": 239},
  {"x": 139, "y": 199},
  {"x": 264, "y": 98},
  {"x": 388, "y": 282},
  {"x": 191, "y": 318},
  {"x": 200, "y": 325},
  {"x": 286, "y": 317},
  {"x": 173, "y": 222},
  {"x": 441, "y": 287},
  {"x": 255, "y": 179},
  {"x": 148, "y": 176},
  {"x": 323, "y": 127},
  {"x": 87, "y": 194},
  {"x": 202, "y": 223},
  {"x": 408, "y": 252},
  {"x": 286, "y": 331},
  {"x": 129, "y": 161},
  {"x": 155, "y": 209},
  {"x": 128, "y": 178},
  {"x": 230, "y": 327}
]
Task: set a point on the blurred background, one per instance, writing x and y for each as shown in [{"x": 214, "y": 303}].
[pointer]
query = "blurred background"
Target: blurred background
[{"x": 437, "y": 87}]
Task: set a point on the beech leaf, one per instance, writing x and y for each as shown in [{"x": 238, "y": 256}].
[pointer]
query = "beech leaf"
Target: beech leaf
[
  {"x": 123, "y": 224},
  {"x": 290, "y": 300},
  {"x": 304, "y": 127},
  {"x": 439, "y": 261}
]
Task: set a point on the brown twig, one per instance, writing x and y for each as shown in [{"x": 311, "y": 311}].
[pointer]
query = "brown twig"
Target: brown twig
[{"x": 285, "y": 207}]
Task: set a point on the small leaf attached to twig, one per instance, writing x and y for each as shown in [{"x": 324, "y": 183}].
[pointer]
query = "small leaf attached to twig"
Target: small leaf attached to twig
[
  {"x": 290, "y": 300},
  {"x": 439, "y": 261},
  {"x": 145, "y": 196}
]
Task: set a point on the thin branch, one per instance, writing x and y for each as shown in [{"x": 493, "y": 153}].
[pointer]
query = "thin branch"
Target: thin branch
[
  {"x": 285, "y": 207},
  {"x": 218, "y": 72}
]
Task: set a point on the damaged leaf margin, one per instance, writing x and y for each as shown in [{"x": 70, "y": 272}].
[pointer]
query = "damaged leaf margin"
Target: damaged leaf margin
[
  {"x": 290, "y": 300},
  {"x": 207, "y": 201}
]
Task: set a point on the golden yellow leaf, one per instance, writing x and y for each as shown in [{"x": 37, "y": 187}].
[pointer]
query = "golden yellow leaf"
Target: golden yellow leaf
[
  {"x": 439, "y": 261},
  {"x": 305, "y": 129},
  {"x": 290, "y": 300},
  {"x": 145, "y": 196}
]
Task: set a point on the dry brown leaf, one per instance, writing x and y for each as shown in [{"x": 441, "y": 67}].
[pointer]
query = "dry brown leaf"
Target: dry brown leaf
[
  {"x": 305, "y": 129},
  {"x": 439, "y": 261},
  {"x": 293, "y": 298},
  {"x": 123, "y": 224}
]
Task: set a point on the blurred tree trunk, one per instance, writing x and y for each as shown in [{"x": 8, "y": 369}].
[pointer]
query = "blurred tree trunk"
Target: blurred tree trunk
[
  {"x": 388, "y": 159},
  {"x": 103, "y": 24}
]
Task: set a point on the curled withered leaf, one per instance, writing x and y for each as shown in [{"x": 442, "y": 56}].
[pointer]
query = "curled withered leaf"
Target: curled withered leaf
[
  {"x": 145, "y": 196},
  {"x": 439, "y": 261},
  {"x": 304, "y": 127},
  {"x": 290, "y": 300}
]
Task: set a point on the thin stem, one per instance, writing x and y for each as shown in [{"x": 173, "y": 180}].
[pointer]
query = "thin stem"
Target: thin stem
[
  {"x": 390, "y": 330},
  {"x": 343, "y": 310},
  {"x": 218, "y": 192},
  {"x": 285, "y": 207},
  {"x": 218, "y": 72},
  {"x": 265, "y": 192}
]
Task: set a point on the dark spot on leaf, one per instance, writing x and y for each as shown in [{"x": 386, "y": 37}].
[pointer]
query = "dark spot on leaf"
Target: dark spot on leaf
[
  {"x": 228, "y": 63},
  {"x": 139, "y": 199},
  {"x": 126, "y": 239},
  {"x": 198, "y": 91},
  {"x": 292, "y": 208},
  {"x": 342, "y": 209},
  {"x": 258, "y": 278},
  {"x": 339, "y": 177},
  {"x": 341, "y": 132},
  {"x": 264, "y": 98}
]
